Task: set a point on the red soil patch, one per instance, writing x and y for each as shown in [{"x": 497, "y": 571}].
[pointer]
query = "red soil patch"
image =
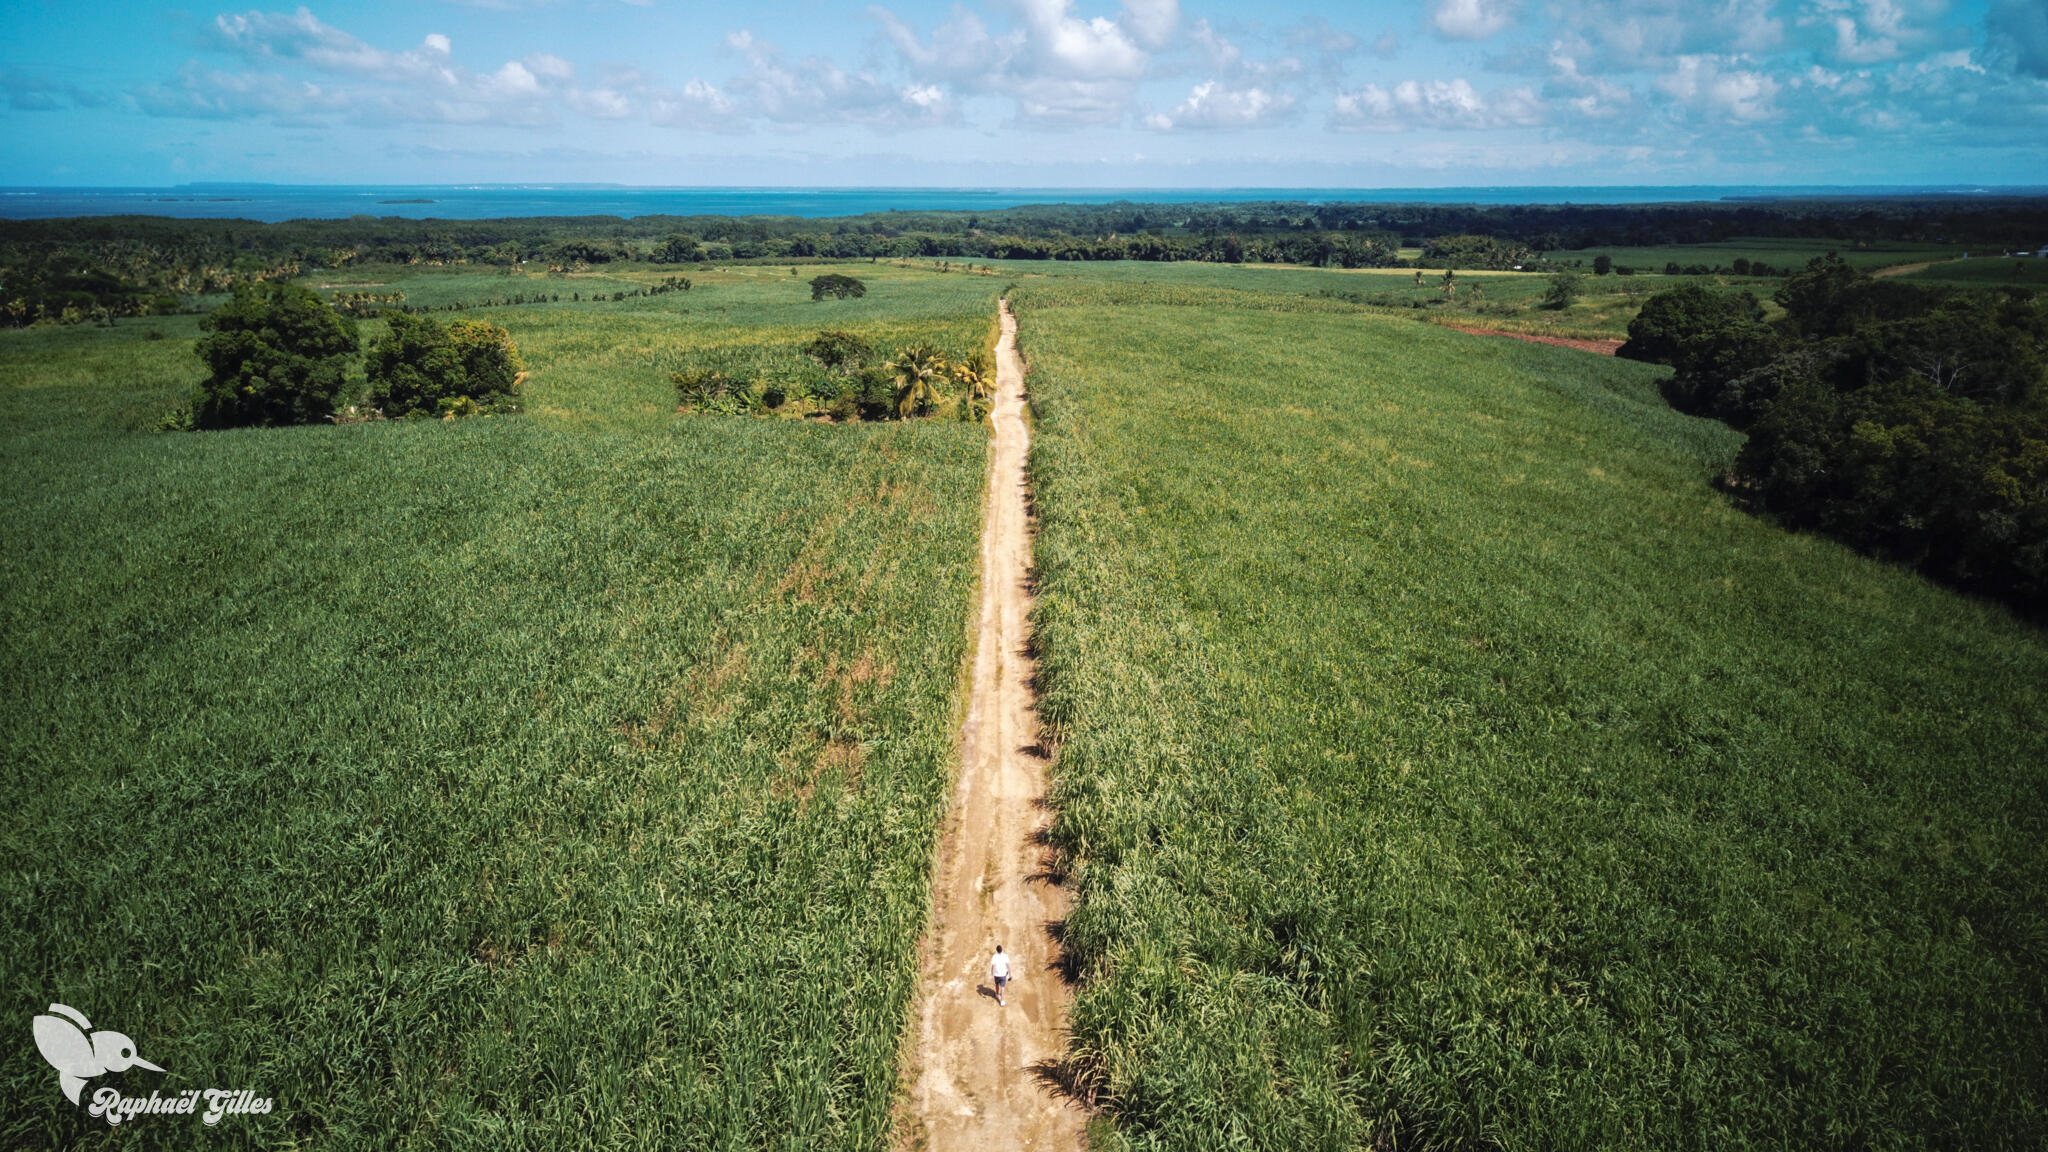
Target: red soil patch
[{"x": 1601, "y": 347}]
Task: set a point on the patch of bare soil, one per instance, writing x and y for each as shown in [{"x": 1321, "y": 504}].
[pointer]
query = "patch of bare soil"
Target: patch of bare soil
[
  {"x": 974, "y": 1082},
  {"x": 1601, "y": 347}
]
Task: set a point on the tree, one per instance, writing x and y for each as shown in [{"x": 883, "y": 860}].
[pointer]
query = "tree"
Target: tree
[
  {"x": 1602, "y": 265},
  {"x": 918, "y": 371},
  {"x": 978, "y": 377},
  {"x": 677, "y": 248},
  {"x": 1564, "y": 288},
  {"x": 276, "y": 355},
  {"x": 422, "y": 367},
  {"x": 839, "y": 350},
  {"x": 1675, "y": 326},
  {"x": 838, "y": 287}
]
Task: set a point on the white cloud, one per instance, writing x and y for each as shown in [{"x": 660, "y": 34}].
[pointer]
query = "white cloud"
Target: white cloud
[
  {"x": 1592, "y": 97},
  {"x": 275, "y": 36},
  {"x": 1212, "y": 105},
  {"x": 549, "y": 66},
  {"x": 817, "y": 91},
  {"x": 1715, "y": 85},
  {"x": 209, "y": 94},
  {"x": 697, "y": 105},
  {"x": 1151, "y": 22},
  {"x": 1058, "y": 67},
  {"x": 1471, "y": 19},
  {"x": 1433, "y": 104},
  {"x": 419, "y": 84}
]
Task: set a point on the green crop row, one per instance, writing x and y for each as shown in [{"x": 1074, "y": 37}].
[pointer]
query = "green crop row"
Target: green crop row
[
  {"x": 1444, "y": 763},
  {"x": 564, "y": 780}
]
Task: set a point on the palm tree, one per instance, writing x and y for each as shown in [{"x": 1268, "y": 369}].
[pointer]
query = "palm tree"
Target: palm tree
[
  {"x": 978, "y": 377},
  {"x": 918, "y": 371}
]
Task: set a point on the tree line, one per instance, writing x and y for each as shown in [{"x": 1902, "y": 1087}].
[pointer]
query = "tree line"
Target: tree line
[
  {"x": 1908, "y": 421},
  {"x": 135, "y": 264}
]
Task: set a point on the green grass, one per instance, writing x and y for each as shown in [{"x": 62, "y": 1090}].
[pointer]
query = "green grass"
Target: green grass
[
  {"x": 560, "y": 780},
  {"x": 1982, "y": 271},
  {"x": 1443, "y": 761}
]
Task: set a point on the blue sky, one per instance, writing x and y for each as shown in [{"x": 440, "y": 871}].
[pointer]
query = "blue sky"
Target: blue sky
[{"x": 1052, "y": 93}]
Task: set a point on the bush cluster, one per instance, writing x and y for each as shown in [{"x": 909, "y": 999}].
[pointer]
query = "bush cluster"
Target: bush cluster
[
  {"x": 1909, "y": 422},
  {"x": 424, "y": 368},
  {"x": 843, "y": 376},
  {"x": 278, "y": 354}
]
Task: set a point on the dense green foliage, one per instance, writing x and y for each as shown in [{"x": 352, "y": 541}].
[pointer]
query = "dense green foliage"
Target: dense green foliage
[
  {"x": 59, "y": 270},
  {"x": 1444, "y": 764},
  {"x": 568, "y": 781},
  {"x": 1911, "y": 422},
  {"x": 840, "y": 350},
  {"x": 1564, "y": 288},
  {"x": 1476, "y": 252},
  {"x": 421, "y": 366},
  {"x": 838, "y": 287},
  {"x": 276, "y": 355}
]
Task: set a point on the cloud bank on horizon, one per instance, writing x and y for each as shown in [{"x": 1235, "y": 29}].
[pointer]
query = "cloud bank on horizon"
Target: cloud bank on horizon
[{"x": 1035, "y": 92}]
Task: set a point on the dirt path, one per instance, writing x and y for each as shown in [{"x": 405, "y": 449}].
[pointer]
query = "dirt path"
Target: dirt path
[
  {"x": 975, "y": 1089},
  {"x": 1603, "y": 347}
]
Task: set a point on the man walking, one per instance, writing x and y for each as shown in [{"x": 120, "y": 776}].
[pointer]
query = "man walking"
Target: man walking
[{"x": 999, "y": 971}]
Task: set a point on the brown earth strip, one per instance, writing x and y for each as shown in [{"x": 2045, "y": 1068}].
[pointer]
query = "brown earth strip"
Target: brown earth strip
[
  {"x": 1603, "y": 347},
  {"x": 973, "y": 1086}
]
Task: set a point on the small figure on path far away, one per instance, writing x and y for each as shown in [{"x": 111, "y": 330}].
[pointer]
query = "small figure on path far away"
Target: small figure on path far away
[{"x": 999, "y": 971}]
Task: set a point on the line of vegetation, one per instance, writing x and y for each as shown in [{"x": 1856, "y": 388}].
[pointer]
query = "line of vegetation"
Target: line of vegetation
[
  {"x": 1909, "y": 421},
  {"x": 61, "y": 270},
  {"x": 1442, "y": 763}
]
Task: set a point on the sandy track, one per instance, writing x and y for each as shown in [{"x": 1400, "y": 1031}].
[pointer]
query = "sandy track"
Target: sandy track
[
  {"x": 975, "y": 1088},
  {"x": 1603, "y": 347}
]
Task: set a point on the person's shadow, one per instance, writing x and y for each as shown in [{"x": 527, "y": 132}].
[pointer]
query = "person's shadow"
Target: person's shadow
[{"x": 985, "y": 990}]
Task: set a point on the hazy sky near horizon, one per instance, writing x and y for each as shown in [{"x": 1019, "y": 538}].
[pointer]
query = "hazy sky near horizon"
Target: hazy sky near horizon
[{"x": 1054, "y": 93}]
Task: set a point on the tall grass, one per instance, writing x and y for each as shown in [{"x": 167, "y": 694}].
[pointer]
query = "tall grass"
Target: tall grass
[
  {"x": 536, "y": 782},
  {"x": 1445, "y": 764}
]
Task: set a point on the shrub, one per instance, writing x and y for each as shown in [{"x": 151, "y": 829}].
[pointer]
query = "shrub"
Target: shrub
[
  {"x": 422, "y": 367},
  {"x": 1564, "y": 288},
  {"x": 276, "y": 356},
  {"x": 1602, "y": 265},
  {"x": 712, "y": 391},
  {"x": 839, "y": 350}
]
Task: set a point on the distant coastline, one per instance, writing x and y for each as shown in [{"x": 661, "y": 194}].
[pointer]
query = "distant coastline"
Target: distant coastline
[{"x": 279, "y": 202}]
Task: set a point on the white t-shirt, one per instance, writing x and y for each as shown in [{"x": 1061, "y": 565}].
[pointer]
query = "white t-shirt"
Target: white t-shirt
[{"x": 999, "y": 967}]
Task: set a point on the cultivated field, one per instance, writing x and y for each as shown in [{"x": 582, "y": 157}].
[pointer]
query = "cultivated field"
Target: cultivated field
[
  {"x": 1445, "y": 763},
  {"x": 557, "y": 780},
  {"x": 1442, "y": 761}
]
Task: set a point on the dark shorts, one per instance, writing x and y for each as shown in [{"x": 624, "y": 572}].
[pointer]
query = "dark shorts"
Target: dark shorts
[{"x": 1002, "y": 980}]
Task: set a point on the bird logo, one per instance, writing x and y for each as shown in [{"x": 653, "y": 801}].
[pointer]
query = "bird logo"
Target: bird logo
[{"x": 78, "y": 1057}]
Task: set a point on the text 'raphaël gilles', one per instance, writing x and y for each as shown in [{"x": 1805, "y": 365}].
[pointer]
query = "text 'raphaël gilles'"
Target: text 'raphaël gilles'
[{"x": 109, "y": 1102}]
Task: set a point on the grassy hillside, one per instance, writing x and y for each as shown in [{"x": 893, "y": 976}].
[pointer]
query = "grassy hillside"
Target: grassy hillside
[
  {"x": 557, "y": 780},
  {"x": 1446, "y": 764}
]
